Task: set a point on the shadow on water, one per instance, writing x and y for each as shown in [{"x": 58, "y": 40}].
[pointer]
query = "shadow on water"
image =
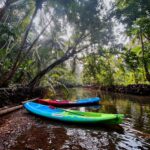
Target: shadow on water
[
  {"x": 50, "y": 134},
  {"x": 133, "y": 133},
  {"x": 98, "y": 126}
]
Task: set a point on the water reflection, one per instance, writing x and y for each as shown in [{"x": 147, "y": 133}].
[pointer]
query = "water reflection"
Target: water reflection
[
  {"x": 134, "y": 133},
  {"x": 136, "y": 109}
]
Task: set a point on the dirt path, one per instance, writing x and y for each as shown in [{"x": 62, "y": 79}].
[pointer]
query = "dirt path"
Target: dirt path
[
  {"x": 23, "y": 131},
  {"x": 13, "y": 125}
]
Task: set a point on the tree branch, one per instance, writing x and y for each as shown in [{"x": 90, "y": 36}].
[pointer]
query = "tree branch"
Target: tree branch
[
  {"x": 69, "y": 53},
  {"x": 12, "y": 71}
]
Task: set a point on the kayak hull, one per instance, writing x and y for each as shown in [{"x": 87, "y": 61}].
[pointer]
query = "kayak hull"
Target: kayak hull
[
  {"x": 81, "y": 102},
  {"x": 72, "y": 116}
]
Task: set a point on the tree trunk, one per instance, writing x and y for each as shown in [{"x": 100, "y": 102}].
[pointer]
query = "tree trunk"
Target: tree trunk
[
  {"x": 3, "y": 9},
  {"x": 143, "y": 57},
  {"x": 69, "y": 53},
  {"x": 38, "y": 77},
  {"x": 13, "y": 70},
  {"x": 135, "y": 76},
  {"x": 74, "y": 63},
  {"x": 2, "y": 12}
]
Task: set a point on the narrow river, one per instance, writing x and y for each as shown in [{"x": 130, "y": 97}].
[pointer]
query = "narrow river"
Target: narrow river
[{"x": 23, "y": 131}]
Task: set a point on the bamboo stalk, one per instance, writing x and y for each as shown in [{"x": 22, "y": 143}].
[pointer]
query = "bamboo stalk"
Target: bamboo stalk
[
  {"x": 11, "y": 109},
  {"x": 30, "y": 100},
  {"x": 8, "y": 110}
]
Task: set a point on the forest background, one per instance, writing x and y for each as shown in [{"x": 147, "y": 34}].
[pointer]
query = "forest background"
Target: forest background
[{"x": 68, "y": 43}]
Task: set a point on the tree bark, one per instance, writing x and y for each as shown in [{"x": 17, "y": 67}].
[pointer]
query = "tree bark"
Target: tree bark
[
  {"x": 38, "y": 77},
  {"x": 69, "y": 53},
  {"x": 4, "y": 9},
  {"x": 2, "y": 12},
  {"x": 13, "y": 70},
  {"x": 8, "y": 110},
  {"x": 147, "y": 74},
  {"x": 12, "y": 109}
]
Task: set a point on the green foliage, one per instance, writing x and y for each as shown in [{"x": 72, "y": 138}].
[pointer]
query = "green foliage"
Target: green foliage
[
  {"x": 128, "y": 11},
  {"x": 131, "y": 60},
  {"x": 135, "y": 14},
  {"x": 98, "y": 70},
  {"x": 78, "y": 17},
  {"x": 8, "y": 34},
  {"x": 24, "y": 72},
  {"x": 63, "y": 76},
  {"x": 111, "y": 69}
]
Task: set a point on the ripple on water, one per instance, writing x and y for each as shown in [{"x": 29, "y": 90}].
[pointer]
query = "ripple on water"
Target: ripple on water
[{"x": 21, "y": 130}]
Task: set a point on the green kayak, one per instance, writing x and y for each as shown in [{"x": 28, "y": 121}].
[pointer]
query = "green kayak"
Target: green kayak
[{"x": 73, "y": 116}]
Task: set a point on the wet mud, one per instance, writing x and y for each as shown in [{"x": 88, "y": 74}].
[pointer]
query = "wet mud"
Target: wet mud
[{"x": 22, "y": 130}]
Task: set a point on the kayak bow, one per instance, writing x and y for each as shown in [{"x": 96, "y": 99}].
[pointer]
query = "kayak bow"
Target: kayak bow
[
  {"x": 80, "y": 102},
  {"x": 73, "y": 116}
]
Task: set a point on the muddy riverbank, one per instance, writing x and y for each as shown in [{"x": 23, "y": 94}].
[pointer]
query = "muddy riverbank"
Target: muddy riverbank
[
  {"x": 22, "y": 130},
  {"x": 12, "y": 96},
  {"x": 133, "y": 89}
]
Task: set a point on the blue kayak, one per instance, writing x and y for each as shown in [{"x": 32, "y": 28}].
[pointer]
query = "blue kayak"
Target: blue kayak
[
  {"x": 73, "y": 116},
  {"x": 59, "y": 103}
]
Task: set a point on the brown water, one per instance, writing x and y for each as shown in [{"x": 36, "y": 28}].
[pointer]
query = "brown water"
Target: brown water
[{"x": 35, "y": 133}]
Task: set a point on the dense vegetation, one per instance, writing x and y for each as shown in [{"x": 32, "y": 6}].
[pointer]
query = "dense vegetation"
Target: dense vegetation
[
  {"x": 38, "y": 37},
  {"x": 131, "y": 63}
]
